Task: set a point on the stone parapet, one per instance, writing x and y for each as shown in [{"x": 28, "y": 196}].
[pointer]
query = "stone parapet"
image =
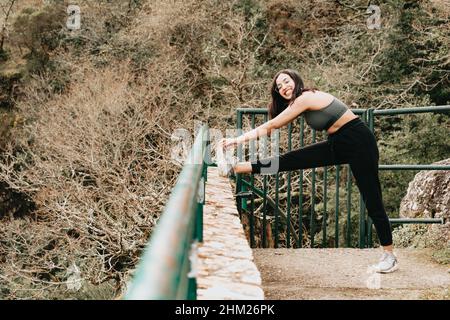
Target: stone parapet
[{"x": 226, "y": 268}]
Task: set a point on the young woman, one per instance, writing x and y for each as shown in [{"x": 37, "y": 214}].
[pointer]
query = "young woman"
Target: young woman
[{"x": 349, "y": 141}]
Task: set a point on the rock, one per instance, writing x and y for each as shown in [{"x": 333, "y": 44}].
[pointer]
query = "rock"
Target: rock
[{"x": 428, "y": 196}]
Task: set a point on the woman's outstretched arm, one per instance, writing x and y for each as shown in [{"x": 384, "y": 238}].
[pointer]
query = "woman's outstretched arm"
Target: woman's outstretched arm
[{"x": 285, "y": 117}]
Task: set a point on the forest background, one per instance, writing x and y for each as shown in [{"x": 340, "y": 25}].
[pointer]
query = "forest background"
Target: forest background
[{"x": 87, "y": 114}]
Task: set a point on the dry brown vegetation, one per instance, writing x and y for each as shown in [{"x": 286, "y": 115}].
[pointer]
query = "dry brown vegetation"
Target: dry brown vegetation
[{"x": 86, "y": 166}]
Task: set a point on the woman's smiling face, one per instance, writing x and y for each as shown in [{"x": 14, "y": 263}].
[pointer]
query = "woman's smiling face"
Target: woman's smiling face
[{"x": 285, "y": 86}]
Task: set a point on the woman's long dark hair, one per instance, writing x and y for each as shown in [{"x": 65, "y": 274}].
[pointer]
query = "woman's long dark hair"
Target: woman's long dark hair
[{"x": 278, "y": 103}]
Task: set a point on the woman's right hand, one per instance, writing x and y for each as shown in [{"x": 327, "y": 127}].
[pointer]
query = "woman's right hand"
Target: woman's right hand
[{"x": 228, "y": 143}]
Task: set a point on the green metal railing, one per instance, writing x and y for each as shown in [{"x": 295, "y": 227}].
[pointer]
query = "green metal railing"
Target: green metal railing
[
  {"x": 246, "y": 189},
  {"x": 165, "y": 270}
]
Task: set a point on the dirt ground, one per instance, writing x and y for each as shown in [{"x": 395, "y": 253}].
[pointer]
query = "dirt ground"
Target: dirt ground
[{"x": 346, "y": 274}]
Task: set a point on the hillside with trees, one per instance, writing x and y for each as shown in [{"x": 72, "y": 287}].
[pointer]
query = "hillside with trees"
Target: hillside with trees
[{"x": 87, "y": 114}]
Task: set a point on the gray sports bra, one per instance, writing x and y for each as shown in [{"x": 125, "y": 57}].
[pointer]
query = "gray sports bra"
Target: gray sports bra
[{"x": 324, "y": 118}]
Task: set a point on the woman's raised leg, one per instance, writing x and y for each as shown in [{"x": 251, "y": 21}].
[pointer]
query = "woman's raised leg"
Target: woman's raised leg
[{"x": 312, "y": 156}]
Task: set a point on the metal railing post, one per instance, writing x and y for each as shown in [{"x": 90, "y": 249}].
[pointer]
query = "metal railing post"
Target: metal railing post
[
  {"x": 336, "y": 209},
  {"x": 300, "y": 199},
  {"x": 288, "y": 213},
  {"x": 312, "y": 223},
  {"x": 371, "y": 120}
]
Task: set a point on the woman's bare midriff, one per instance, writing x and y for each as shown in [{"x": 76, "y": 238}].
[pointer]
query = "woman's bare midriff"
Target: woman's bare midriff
[{"x": 346, "y": 117}]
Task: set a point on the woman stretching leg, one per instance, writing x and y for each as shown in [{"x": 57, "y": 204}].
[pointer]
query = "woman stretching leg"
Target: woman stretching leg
[{"x": 349, "y": 141}]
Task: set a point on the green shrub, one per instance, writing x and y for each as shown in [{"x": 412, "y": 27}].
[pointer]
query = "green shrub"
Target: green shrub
[
  {"x": 39, "y": 32},
  {"x": 3, "y": 55}
]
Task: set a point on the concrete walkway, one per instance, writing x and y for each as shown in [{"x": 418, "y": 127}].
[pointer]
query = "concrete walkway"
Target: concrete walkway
[{"x": 345, "y": 274}]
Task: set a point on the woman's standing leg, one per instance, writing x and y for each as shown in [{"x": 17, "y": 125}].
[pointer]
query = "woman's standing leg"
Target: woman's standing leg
[
  {"x": 365, "y": 172},
  {"x": 364, "y": 166}
]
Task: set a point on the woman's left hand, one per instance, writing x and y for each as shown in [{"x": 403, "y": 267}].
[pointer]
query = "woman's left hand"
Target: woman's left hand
[{"x": 228, "y": 143}]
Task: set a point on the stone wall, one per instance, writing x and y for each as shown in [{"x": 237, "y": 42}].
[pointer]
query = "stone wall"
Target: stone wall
[{"x": 226, "y": 268}]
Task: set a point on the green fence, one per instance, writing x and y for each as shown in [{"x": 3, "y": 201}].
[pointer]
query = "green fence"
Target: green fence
[
  {"x": 247, "y": 193},
  {"x": 165, "y": 270}
]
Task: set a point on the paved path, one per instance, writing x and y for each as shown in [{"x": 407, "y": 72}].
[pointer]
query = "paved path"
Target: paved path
[{"x": 344, "y": 274}]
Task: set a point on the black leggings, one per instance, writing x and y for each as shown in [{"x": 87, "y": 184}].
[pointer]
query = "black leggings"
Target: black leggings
[{"x": 354, "y": 144}]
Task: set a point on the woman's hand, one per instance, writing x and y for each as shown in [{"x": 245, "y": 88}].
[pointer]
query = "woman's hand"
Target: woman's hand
[{"x": 228, "y": 143}]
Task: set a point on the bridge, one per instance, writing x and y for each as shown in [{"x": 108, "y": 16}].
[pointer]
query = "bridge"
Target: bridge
[{"x": 226, "y": 239}]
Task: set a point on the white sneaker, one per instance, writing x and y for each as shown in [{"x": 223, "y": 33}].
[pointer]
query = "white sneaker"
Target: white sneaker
[
  {"x": 225, "y": 162},
  {"x": 388, "y": 263}
]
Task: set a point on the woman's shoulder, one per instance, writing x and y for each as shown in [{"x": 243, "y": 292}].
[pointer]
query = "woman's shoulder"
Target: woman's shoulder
[
  {"x": 316, "y": 93},
  {"x": 315, "y": 99}
]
